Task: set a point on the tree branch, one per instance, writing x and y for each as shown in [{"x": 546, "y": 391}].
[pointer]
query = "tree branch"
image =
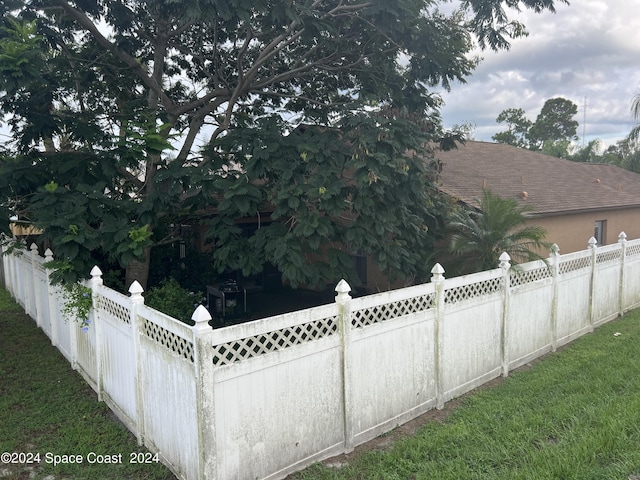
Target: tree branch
[{"x": 85, "y": 22}]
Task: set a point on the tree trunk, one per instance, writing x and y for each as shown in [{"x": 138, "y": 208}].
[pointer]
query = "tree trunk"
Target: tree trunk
[{"x": 138, "y": 270}]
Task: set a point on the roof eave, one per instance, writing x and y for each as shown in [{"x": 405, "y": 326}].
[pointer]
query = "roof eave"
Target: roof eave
[{"x": 554, "y": 213}]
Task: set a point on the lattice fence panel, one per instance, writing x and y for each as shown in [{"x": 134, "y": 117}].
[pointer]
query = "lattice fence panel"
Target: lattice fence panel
[
  {"x": 114, "y": 309},
  {"x": 633, "y": 250},
  {"x": 245, "y": 348},
  {"x": 474, "y": 290},
  {"x": 522, "y": 278},
  {"x": 574, "y": 264},
  {"x": 380, "y": 313},
  {"x": 167, "y": 339},
  {"x": 608, "y": 256}
]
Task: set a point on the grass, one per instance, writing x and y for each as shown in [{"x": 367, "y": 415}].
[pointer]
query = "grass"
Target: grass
[
  {"x": 46, "y": 407},
  {"x": 573, "y": 415}
]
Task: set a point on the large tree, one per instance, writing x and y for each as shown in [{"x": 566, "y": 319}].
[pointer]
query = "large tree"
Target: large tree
[
  {"x": 555, "y": 122},
  {"x": 133, "y": 118},
  {"x": 552, "y": 132},
  {"x": 518, "y": 126}
]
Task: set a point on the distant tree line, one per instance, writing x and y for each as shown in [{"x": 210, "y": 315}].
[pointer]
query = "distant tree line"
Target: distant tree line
[{"x": 554, "y": 133}]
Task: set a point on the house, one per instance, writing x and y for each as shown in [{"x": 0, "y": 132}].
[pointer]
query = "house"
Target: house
[{"x": 572, "y": 201}]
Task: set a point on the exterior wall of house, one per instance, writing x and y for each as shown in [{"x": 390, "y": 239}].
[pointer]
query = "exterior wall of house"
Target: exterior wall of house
[{"x": 572, "y": 231}]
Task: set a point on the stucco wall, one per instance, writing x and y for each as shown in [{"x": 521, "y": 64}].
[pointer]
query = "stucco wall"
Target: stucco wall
[{"x": 572, "y": 232}]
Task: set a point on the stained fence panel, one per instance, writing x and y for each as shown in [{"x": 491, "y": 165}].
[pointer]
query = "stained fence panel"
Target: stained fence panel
[
  {"x": 574, "y": 300},
  {"x": 87, "y": 361},
  {"x": 42, "y": 300},
  {"x": 166, "y": 359},
  {"x": 471, "y": 331},
  {"x": 278, "y": 393},
  {"x": 631, "y": 283},
  {"x": 22, "y": 274},
  {"x": 606, "y": 288},
  {"x": 30, "y": 303},
  {"x": 529, "y": 327},
  {"x": 117, "y": 353},
  {"x": 393, "y": 358},
  {"x": 62, "y": 325}
]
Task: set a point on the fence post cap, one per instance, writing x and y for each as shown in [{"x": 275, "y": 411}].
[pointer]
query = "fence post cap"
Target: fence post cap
[
  {"x": 48, "y": 255},
  {"x": 201, "y": 316},
  {"x": 437, "y": 270},
  {"x": 593, "y": 242},
  {"x": 342, "y": 292},
  {"x": 505, "y": 261},
  {"x": 622, "y": 238},
  {"x": 342, "y": 287},
  {"x": 96, "y": 277},
  {"x": 555, "y": 250},
  {"x": 136, "y": 288},
  {"x": 33, "y": 247}
]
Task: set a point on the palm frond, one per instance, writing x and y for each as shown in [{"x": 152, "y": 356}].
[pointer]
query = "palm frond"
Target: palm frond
[{"x": 478, "y": 238}]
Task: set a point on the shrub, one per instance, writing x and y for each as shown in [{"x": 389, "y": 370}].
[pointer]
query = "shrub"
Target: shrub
[{"x": 170, "y": 298}]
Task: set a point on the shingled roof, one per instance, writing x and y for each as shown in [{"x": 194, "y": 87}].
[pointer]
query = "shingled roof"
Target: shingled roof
[{"x": 548, "y": 184}]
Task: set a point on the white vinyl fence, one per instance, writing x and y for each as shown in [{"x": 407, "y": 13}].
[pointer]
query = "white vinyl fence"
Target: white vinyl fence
[{"x": 262, "y": 399}]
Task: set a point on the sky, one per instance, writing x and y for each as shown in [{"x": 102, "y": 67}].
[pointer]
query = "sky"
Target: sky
[{"x": 587, "y": 52}]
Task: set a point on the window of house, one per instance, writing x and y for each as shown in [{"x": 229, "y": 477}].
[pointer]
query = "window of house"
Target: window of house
[{"x": 600, "y": 231}]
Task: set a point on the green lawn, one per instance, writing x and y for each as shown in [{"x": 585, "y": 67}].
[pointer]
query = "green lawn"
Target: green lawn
[
  {"x": 46, "y": 408},
  {"x": 574, "y": 415}
]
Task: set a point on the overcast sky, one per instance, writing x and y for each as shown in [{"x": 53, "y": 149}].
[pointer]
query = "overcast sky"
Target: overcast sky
[{"x": 590, "y": 49}]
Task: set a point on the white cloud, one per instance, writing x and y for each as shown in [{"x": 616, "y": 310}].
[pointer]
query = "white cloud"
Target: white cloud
[{"x": 588, "y": 49}]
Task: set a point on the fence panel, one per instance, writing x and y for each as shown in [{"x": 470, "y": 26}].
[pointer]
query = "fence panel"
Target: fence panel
[
  {"x": 168, "y": 390},
  {"x": 471, "y": 331},
  {"x": 87, "y": 360},
  {"x": 574, "y": 299},
  {"x": 631, "y": 284},
  {"x": 529, "y": 324},
  {"x": 117, "y": 353},
  {"x": 42, "y": 299},
  {"x": 606, "y": 288},
  {"x": 258, "y": 415},
  {"x": 29, "y": 286},
  {"x": 63, "y": 325},
  {"x": 22, "y": 277},
  {"x": 393, "y": 359}
]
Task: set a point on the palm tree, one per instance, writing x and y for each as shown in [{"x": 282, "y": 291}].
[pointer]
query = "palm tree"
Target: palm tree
[
  {"x": 635, "y": 110},
  {"x": 479, "y": 236}
]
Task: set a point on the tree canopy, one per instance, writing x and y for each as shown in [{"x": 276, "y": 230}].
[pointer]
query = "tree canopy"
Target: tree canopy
[
  {"x": 552, "y": 132},
  {"x": 131, "y": 119},
  {"x": 517, "y": 133}
]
